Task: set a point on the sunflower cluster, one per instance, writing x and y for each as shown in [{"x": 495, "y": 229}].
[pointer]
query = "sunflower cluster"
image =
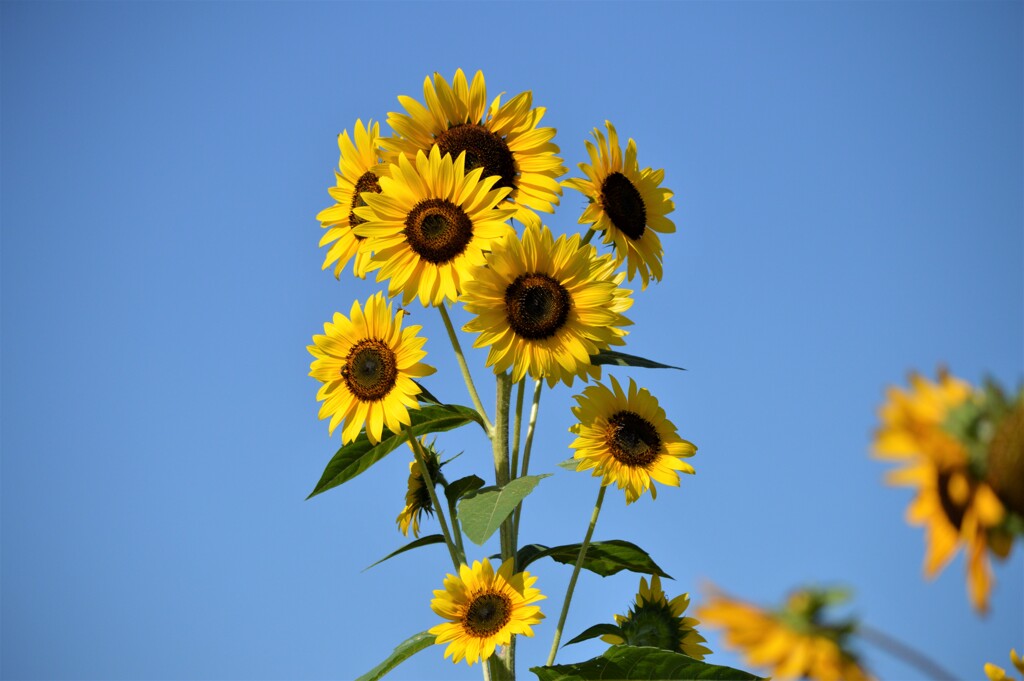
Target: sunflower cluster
[{"x": 963, "y": 450}]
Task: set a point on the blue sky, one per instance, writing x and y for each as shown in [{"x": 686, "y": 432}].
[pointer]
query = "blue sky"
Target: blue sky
[{"x": 848, "y": 182}]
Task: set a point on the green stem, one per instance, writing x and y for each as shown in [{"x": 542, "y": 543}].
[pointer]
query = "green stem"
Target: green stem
[
  {"x": 466, "y": 376},
  {"x": 587, "y": 237},
  {"x": 530, "y": 427},
  {"x": 421, "y": 459},
  {"x": 901, "y": 650},
  {"x": 575, "y": 575},
  {"x": 505, "y": 663},
  {"x": 517, "y": 426}
]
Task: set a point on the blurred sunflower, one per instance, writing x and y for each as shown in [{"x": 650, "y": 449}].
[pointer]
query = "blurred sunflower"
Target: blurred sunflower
[
  {"x": 484, "y": 610},
  {"x": 361, "y": 167},
  {"x": 417, "y": 495},
  {"x": 431, "y": 224},
  {"x": 791, "y": 643},
  {"x": 996, "y": 673},
  {"x": 503, "y": 140},
  {"x": 955, "y": 508},
  {"x": 367, "y": 364},
  {"x": 626, "y": 439},
  {"x": 627, "y": 205},
  {"x": 659, "y": 622},
  {"x": 544, "y": 307}
]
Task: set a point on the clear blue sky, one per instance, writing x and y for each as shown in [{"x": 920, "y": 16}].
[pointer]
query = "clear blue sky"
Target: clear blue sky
[{"x": 848, "y": 182}]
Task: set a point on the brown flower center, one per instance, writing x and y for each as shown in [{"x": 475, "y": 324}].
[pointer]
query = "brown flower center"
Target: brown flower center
[
  {"x": 370, "y": 370},
  {"x": 366, "y": 183},
  {"x": 632, "y": 439},
  {"x": 536, "y": 306},
  {"x": 624, "y": 205},
  {"x": 483, "y": 148},
  {"x": 438, "y": 230},
  {"x": 487, "y": 614}
]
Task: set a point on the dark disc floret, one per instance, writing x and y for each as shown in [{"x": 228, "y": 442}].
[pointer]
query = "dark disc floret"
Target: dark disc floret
[
  {"x": 483, "y": 149},
  {"x": 624, "y": 205},
  {"x": 370, "y": 370},
  {"x": 536, "y": 306},
  {"x": 954, "y": 512},
  {"x": 438, "y": 230},
  {"x": 487, "y": 614},
  {"x": 367, "y": 182},
  {"x": 632, "y": 440}
]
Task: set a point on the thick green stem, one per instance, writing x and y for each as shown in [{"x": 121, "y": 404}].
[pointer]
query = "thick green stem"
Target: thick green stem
[
  {"x": 499, "y": 440},
  {"x": 517, "y": 426},
  {"x": 466, "y": 376},
  {"x": 421, "y": 459},
  {"x": 531, "y": 425},
  {"x": 575, "y": 575},
  {"x": 588, "y": 236}
]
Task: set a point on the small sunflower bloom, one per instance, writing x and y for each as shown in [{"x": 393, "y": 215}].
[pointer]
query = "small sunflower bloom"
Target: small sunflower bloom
[
  {"x": 659, "y": 622},
  {"x": 956, "y": 509},
  {"x": 484, "y": 610},
  {"x": 503, "y": 140},
  {"x": 626, "y": 438},
  {"x": 626, "y": 204},
  {"x": 997, "y": 673},
  {"x": 545, "y": 306},
  {"x": 773, "y": 641},
  {"x": 417, "y": 495},
  {"x": 431, "y": 224},
  {"x": 367, "y": 363},
  {"x": 359, "y": 169}
]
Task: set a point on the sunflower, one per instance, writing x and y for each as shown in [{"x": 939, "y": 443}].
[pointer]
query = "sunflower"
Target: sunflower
[
  {"x": 626, "y": 439},
  {"x": 361, "y": 167},
  {"x": 367, "y": 363},
  {"x": 956, "y": 509},
  {"x": 659, "y": 622},
  {"x": 996, "y": 673},
  {"x": 627, "y": 205},
  {"x": 544, "y": 307},
  {"x": 792, "y": 643},
  {"x": 484, "y": 609},
  {"x": 417, "y": 496},
  {"x": 430, "y": 224},
  {"x": 503, "y": 140}
]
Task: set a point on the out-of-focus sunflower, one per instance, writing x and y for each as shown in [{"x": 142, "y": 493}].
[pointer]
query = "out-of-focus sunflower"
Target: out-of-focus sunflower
[
  {"x": 544, "y": 307},
  {"x": 484, "y": 610},
  {"x": 996, "y": 673},
  {"x": 367, "y": 363},
  {"x": 627, "y": 205},
  {"x": 627, "y": 439},
  {"x": 417, "y": 495},
  {"x": 503, "y": 140},
  {"x": 431, "y": 224},
  {"x": 955, "y": 508},
  {"x": 659, "y": 622},
  {"x": 360, "y": 167},
  {"x": 791, "y": 643}
]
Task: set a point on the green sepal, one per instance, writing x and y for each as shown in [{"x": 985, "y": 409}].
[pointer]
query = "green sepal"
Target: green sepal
[
  {"x": 603, "y": 557},
  {"x": 633, "y": 663},
  {"x": 595, "y": 631},
  {"x": 461, "y": 487},
  {"x": 482, "y": 513},
  {"x": 402, "y": 652},
  {"x": 623, "y": 360},
  {"x": 415, "y": 544},
  {"x": 355, "y": 457}
]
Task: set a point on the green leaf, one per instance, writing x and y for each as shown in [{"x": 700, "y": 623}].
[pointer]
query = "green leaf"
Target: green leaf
[
  {"x": 482, "y": 513},
  {"x": 357, "y": 456},
  {"x": 603, "y": 557},
  {"x": 594, "y": 632},
  {"x": 634, "y": 663},
  {"x": 425, "y": 395},
  {"x": 623, "y": 360},
  {"x": 526, "y": 554},
  {"x": 403, "y": 652},
  {"x": 569, "y": 464},
  {"x": 463, "y": 486},
  {"x": 422, "y": 541}
]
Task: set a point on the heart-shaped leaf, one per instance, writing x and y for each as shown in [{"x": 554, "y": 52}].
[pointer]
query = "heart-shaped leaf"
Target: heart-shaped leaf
[{"x": 482, "y": 513}]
